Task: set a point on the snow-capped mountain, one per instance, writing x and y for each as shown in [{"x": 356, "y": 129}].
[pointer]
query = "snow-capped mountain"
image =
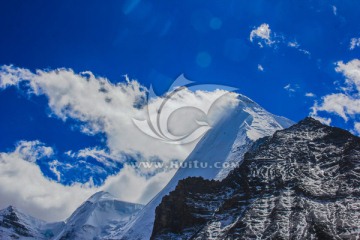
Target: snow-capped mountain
[
  {"x": 97, "y": 217},
  {"x": 301, "y": 183},
  {"x": 104, "y": 217},
  {"x": 15, "y": 224},
  {"x": 100, "y": 215},
  {"x": 220, "y": 150}
]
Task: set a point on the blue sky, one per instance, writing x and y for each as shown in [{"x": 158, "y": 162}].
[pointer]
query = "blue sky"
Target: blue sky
[
  {"x": 155, "y": 42},
  {"x": 292, "y": 61}
]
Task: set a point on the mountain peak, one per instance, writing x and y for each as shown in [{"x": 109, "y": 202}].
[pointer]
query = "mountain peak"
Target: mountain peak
[
  {"x": 312, "y": 128},
  {"x": 101, "y": 214},
  {"x": 297, "y": 184},
  {"x": 310, "y": 120},
  {"x": 16, "y": 224},
  {"x": 101, "y": 196},
  {"x": 225, "y": 144},
  {"x": 10, "y": 208}
]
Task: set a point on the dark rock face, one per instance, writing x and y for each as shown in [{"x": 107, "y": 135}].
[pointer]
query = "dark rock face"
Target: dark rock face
[
  {"x": 301, "y": 183},
  {"x": 187, "y": 215},
  {"x": 12, "y": 221},
  {"x": 15, "y": 224}
]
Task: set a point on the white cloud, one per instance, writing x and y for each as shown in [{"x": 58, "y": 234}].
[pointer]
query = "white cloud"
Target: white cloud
[
  {"x": 291, "y": 88},
  {"x": 130, "y": 186},
  {"x": 32, "y": 150},
  {"x": 101, "y": 107},
  {"x": 260, "y": 68},
  {"x": 296, "y": 45},
  {"x": 53, "y": 167},
  {"x": 309, "y": 94},
  {"x": 354, "y": 42},
  {"x": 357, "y": 128},
  {"x": 334, "y": 8},
  {"x": 263, "y": 32},
  {"x": 265, "y": 35},
  {"x": 23, "y": 185},
  {"x": 12, "y": 76},
  {"x": 96, "y": 153},
  {"x": 306, "y": 52},
  {"x": 340, "y": 104},
  {"x": 351, "y": 71},
  {"x": 104, "y": 107},
  {"x": 293, "y": 44},
  {"x": 345, "y": 103}
]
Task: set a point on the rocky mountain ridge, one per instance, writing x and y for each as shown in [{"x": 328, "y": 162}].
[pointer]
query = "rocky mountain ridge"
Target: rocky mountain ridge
[
  {"x": 301, "y": 183},
  {"x": 15, "y": 224},
  {"x": 226, "y": 143}
]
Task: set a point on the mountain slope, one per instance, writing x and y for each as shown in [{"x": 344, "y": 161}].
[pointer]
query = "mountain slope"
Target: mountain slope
[
  {"x": 220, "y": 150},
  {"x": 97, "y": 217},
  {"x": 15, "y": 224},
  {"x": 301, "y": 183}
]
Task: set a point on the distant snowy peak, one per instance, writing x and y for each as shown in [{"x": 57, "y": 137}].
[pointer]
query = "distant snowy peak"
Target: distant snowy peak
[
  {"x": 221, "y": 150},
  {"x": 101, "y": 196},
  {"x": 15, "y": 224},
  {"x": 100, "y": 215}
]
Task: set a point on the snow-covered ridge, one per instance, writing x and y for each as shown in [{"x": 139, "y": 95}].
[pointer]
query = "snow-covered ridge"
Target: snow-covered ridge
[
  {"x": 100, "y": 215},
  {"x": 14, "y": 224},
  {"x": 227, "y": 142}
]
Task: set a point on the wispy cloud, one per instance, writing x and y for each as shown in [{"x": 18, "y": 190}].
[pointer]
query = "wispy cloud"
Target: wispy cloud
[
  {"x": 334, "y": 9},
  {"x": 291, "y": 88},
  {"x": 296, "y": 45},
  {"x": 354, "y": 43},
  {"x": 264, "y": 35},
  {"x": 293, "y": 44},
  {"x": 101, "y": 106},
  {"x": 23, "y": 184},
  {"x": 98, "y": 106},
  {"x": 309, "y": 94},
  {"x": 263, "y": 32},
  {"x": 357, "y": 128}
]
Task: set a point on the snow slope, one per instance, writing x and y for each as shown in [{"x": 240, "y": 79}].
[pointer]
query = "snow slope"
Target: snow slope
[
  {"x": 15, "y": 224},
  {"x": 98, "y": 216},
  {"x": 224, "y": 143}
]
